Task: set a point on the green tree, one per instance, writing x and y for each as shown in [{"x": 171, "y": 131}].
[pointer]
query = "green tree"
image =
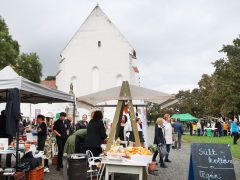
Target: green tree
[
  {"x": 227, "y": 78},
  {"x": 29, "y": 66},
  {"x": 9, "y": 48},
  {"x": 49, "y": 78}
]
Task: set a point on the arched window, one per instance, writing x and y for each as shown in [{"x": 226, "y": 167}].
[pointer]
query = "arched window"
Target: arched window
[
  {"x": 119, "y": 79},
  {"x": 95, "y": 79}
]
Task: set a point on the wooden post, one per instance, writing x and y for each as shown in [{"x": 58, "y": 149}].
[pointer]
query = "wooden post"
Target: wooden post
[
  {"x": 125, "y": 95},
  {"x": 114, "y": 124}
]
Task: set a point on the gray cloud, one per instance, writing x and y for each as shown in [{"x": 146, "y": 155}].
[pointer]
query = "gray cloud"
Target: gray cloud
[{"x": 176, "y": 41}]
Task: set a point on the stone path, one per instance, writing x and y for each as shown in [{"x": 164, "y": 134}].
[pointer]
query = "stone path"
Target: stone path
[{"x": 177, "y": 169}]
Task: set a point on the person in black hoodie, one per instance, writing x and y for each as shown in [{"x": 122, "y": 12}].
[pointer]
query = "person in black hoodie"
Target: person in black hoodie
[
  {"x": 158, "y": 140},
  {"x": 96, "y": 133},
  {"x": 41, "y": 132}
]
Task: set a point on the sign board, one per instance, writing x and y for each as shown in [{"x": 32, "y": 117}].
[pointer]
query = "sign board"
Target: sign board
[{"x": 211, "y": 162}]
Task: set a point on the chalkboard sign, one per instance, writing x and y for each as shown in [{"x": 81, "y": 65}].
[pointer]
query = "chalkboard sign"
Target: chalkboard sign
[{"x": 211, "y": 162}]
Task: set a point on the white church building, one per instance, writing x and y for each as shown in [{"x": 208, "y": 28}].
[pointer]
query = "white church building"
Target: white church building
[{"x": 97, "y": 57}]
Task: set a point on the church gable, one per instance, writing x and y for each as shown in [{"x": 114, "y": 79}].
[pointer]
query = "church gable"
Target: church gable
[{"x": 96, "y": 23}]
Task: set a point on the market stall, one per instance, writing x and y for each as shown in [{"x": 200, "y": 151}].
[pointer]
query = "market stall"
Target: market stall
[
  {"x": 129, "y": 159},
  {"x": 15, "y": 89}
]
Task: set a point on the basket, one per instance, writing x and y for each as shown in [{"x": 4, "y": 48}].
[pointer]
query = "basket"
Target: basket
[{"x": 36, "y": 174}]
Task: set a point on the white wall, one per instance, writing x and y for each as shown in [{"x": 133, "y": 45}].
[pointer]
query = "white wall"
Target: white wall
[{"x": 96, "y": 68}]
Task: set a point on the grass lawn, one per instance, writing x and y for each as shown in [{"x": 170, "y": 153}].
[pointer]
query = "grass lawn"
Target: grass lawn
[{"x": 235, "y": 149}]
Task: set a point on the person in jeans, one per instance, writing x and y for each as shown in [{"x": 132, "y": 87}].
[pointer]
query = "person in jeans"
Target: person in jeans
[
  {"x": 159, "y": 140},
  {"x": 178, "y": 130},
  {"x": 168, "y": 135}
]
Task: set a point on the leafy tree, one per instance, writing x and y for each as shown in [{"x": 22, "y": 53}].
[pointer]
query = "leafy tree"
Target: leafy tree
[
  {"x": 9, "y": 48},
  {"x": 28, "y": 66},
  {"x": 49, "y": 78},
  {"x": 227, "y": 78}
]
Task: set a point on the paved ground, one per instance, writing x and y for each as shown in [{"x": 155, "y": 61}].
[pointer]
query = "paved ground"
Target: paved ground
[{"x": 177, "y": 169}]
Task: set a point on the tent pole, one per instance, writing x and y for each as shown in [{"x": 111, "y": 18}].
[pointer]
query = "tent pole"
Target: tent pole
[
  {"x": 74, "y": 106},
  {"x": 17, "y": 135},
  {"x": 17, "y": 141}
]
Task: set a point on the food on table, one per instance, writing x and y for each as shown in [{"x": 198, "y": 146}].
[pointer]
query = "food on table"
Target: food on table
[{"x": 137, "y": 150}]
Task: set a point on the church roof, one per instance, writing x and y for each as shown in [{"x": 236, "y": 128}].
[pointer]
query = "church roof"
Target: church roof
[{"x": 96, "y": 13}]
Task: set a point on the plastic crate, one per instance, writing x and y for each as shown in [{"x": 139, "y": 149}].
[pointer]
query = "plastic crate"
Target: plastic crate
[{"x": 36, "y": 174}]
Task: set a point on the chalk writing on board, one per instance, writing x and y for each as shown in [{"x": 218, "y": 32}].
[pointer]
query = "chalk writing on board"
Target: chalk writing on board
[
  {"x": 209, "y": 176},
  {"x": 211, "y": 162}
]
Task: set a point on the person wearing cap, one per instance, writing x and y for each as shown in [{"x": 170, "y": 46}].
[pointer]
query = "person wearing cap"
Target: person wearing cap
[{"x": 60, "y": 129}]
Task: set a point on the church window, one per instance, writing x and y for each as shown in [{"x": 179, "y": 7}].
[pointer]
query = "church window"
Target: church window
[{"x": 99, "y": 43}]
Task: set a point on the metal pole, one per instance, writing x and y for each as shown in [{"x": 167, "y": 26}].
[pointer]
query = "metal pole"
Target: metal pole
[
  {"x": 17, "y": 141},
  {"x": 17, "y": 135},
  {"x": 74, "y": 114}
]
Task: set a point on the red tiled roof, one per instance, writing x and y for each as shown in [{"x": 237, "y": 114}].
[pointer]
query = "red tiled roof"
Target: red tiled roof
[
  {"x": 135, "y": 68},
  {"x": 50, "y": 84}
]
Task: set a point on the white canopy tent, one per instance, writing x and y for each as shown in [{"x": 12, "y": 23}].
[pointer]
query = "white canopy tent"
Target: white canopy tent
[
  {"x": 118, "y": 93},
  {"x": 30, "y": 92},
  {"x": 137, "y": 93}
]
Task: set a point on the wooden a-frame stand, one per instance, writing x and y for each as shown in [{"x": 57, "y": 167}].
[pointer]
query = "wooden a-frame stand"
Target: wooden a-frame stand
[{"x": 124, "y": 97}]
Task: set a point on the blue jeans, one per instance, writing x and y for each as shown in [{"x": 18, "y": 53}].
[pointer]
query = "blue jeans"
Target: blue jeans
[{"x": 168, "y": 147}]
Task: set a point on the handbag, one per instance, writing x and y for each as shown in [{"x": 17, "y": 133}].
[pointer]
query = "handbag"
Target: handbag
[{"x": 162, "y": 150}]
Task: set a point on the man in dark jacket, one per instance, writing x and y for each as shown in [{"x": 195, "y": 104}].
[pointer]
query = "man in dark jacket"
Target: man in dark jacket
[
  {"x": 178, "y": 129},
  {"x": 60, "y": 129}
]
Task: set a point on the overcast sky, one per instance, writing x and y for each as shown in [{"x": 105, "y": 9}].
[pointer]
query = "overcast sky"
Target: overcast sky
[{"x": 175, "y": 41}]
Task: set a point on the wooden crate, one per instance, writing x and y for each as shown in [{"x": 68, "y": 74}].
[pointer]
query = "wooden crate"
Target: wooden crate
[{"x": 36, "y": 174}]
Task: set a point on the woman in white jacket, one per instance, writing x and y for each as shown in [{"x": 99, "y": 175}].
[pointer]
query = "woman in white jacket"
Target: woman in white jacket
[{"x": 168, "y": 135}]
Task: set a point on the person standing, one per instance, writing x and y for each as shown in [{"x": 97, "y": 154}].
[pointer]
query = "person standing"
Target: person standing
[
  {"x": 124, "y": 128},
  {"x": 178, "y": 129},
  {"x": 159, "y": 140},
  {"x": 168, "y": 135},
  {"x": 198, "y": 128},
  {"x": 61, "y": 132},
  {"x": 225, "y": 128},
  {"x": 41, "y": 132},
  {"x": 140, "y": 130},
  {"x": 218, "y": 125},
  {"x": 234, "y": 131},
  {"x": 70, "y": 128},
  {"x": 191, "y": 128},
  {"x": 96, "y": 133},
  {"x": 83, "y": 123}
]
